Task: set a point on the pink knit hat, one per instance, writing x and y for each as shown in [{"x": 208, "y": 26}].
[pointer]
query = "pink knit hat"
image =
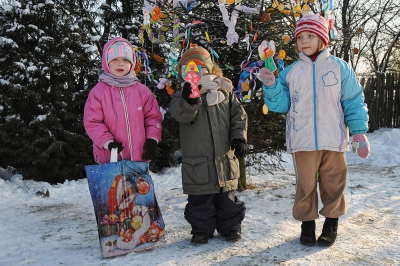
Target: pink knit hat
[
  {"x": 314, "y": 23},
  {"x": 120, "y": 49}
]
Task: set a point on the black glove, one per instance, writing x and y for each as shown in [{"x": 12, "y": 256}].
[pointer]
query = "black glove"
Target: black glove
[
  {"x": 115, "y": 145},
  {"x": 239, "y": 146},
  {"x": 186, "y": 91},
  {"x": 150, "y": 148}
]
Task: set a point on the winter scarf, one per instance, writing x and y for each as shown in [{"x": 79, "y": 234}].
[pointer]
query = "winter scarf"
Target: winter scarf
[
  {"x": 210, "y": 85},
  {"x": 125, "y": 81}
]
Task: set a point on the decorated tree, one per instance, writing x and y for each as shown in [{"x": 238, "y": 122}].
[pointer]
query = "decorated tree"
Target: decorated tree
[{"x": 43, "y": 89}]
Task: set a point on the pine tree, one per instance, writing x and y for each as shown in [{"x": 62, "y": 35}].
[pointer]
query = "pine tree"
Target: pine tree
[{"x": 47, "y": 65}]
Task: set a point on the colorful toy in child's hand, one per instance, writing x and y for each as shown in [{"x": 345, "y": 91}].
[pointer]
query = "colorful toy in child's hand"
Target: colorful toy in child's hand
[
  {"x": 192, "y": 74},
  {"x": 266, "y": 50}
]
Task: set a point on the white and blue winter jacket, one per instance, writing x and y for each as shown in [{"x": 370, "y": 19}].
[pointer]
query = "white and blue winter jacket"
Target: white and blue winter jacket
[{"x": 323, "y": 101}]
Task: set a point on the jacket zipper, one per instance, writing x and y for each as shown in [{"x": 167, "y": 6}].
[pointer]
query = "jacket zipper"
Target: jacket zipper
[
  {"x": 315, "y": 107},
  {"x": 128, "y": 126}
]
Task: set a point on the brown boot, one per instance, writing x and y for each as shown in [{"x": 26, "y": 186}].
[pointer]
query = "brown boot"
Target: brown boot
[{"x": 329, "y": 232}]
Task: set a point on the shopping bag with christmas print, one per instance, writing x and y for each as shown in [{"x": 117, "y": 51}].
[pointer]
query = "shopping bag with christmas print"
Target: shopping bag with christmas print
[{"x": 127, "y": 213}]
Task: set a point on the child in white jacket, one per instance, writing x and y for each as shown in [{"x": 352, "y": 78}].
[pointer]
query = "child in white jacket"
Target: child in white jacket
[{"x": 323, "y": 101}]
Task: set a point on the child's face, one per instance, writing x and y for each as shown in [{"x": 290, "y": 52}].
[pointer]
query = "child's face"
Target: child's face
[
  {"x": 119, "y": 66},
  {"x": 204, "y": 71},
  {"x": 307, "y": 42}
]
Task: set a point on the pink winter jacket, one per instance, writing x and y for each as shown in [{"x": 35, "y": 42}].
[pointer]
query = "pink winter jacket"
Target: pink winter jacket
[{"x": 129, "y": 115}]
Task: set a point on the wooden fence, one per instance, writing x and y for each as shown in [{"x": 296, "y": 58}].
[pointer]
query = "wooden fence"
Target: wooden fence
[{"x": 382, "y": 95}]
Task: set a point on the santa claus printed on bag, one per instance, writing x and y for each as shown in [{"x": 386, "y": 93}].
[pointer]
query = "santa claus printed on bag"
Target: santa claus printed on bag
[{"x": 135, "y": 222}]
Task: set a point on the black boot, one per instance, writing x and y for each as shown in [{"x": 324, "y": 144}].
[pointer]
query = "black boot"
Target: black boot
[
  {"x": 307, "y": 236},
  {"x": 201, "y": 238},
  {"x": 234, "y": 234},
  {"x": 329, "y": 232}
]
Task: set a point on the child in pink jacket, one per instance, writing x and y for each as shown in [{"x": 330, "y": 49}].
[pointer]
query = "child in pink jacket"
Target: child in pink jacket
[{"x": 120, "y": 112}]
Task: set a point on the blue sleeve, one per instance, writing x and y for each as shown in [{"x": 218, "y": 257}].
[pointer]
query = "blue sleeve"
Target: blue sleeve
[
  {"x": 277, "y": 96},
  {"x": 352, "y": 100}
]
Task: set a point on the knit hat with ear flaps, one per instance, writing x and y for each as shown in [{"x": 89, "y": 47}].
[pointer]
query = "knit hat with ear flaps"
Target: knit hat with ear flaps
[
  {"x": 120, "y": 49},
  {"x": 314, "y": 23},
  {"x": 197, "y": 54}
]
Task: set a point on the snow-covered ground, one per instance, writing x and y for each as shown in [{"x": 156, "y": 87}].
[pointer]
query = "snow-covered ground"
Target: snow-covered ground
[{"x": 61, "y": 229}]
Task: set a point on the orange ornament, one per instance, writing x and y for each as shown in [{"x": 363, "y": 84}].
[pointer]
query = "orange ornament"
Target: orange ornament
[
  {"x": 282, "y": 54},
  {"x": 157, "y": 10},
  {"x": 158, "y": 58},
  {"x": 138, "y": 68},
  {"x": 155, "y": 17},
  {"x": 255, "y": 36},
  {"x": 170, "y": 90},
  {"x": 265, "y": 18},
  {"x": 285, "y": 38}
]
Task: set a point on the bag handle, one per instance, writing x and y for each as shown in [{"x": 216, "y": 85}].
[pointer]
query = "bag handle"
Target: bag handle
[{"x": 114, "y": 155}]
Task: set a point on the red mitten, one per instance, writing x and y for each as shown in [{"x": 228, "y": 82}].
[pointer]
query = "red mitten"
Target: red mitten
[
  {"x": 266, "y": 76},
  {"x": 360, "y": 145}
]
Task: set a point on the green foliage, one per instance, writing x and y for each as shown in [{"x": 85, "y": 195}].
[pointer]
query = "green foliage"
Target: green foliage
[{"x": 44, "y": 78}]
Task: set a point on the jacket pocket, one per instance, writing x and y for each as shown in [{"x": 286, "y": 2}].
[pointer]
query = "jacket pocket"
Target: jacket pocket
[
  {"x": 195, "y": 170},
  {"x": 234, "y": 170}
]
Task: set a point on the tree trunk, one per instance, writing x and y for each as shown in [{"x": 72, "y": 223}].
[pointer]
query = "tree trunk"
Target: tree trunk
[{"x": 242, "y": 184}]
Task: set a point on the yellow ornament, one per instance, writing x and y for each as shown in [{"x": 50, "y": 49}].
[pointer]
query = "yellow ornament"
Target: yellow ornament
[
  {"x": 282, "y": 54},
  {"x": 231, "y": 2},
  {"x": 281, "y": 7},
  {"x": 245, "y": 85},
  {"x": 265, "y": 109},
  {"x": 297, "y": 8},
  {"x": 306, "y": 9},
  {"x": 286, "y": 12}
]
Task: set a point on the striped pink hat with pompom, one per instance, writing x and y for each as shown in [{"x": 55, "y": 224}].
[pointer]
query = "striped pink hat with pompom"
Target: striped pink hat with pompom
[{"x": 314, "y": 23}]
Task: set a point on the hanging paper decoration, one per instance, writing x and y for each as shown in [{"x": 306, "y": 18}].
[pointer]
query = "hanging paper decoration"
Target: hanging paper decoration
[
  {"x": 162, "y": 83},
  {"x": 246, "y": 79},
  {"x": 188, "y": 5},
  {"x": 172, "y": 62},
  {"x": 232, "y": 36},
  {"x": 329, "y": 16},
  {"x": 152, "y": 15},
  {"x": 175, "y": 28}
]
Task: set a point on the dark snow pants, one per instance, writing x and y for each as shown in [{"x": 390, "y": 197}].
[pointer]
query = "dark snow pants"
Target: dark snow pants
[{"x": 222, "y": 211}]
